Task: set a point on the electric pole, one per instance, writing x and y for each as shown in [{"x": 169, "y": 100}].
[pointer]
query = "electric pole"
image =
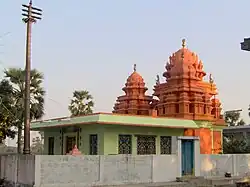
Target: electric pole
[{"x": 31, "y": 15}]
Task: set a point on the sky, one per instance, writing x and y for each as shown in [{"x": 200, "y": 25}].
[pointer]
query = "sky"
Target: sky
[{"x": 93, "y": 45}]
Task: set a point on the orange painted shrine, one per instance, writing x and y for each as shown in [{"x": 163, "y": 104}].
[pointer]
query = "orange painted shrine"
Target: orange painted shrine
[
  {"x": 184, "y": 95},
  {"x": 134, "y": 102}
]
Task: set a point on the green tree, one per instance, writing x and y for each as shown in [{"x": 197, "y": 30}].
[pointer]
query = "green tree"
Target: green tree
[
  {"x": 7, "y": 118},
  {"x": 233, "y": 118},
  {"x": 17, "y": 78},
  {"x": 37, "y": 146},
  {"x": 235, "y": 144},
  {"x": 81, "y": 103}
]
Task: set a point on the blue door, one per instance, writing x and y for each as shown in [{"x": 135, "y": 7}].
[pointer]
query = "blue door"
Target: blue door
[{"x": 187, "y": 157}]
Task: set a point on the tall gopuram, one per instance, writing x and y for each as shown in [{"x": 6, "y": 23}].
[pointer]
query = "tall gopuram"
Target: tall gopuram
[
  {"x": 186, "y": 95},
  {"x": 134, "y": 102}
]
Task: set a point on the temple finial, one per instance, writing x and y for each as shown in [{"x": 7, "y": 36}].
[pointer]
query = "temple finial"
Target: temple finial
[
  {"x": 183, "y": 43},
  {"x": 157, "y": 79},
  {"x": 211, "y": 79},
  {"x": 134, "y": 67},
  {"x": 30, "y": 2}
]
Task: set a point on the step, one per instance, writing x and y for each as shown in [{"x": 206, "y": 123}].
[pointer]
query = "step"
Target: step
[
  {"x": 226, "y": 185},
  {"x": 209, "y": 181},
  {"x": 189, "y": 178}
]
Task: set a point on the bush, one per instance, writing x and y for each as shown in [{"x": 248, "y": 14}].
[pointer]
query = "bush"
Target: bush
[{"x": 5, "y": 183}]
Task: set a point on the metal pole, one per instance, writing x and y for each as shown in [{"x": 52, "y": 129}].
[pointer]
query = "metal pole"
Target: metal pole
[{"x": 29, "y": 19}]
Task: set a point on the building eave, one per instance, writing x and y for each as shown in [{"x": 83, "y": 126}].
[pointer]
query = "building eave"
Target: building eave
[{"x": 115, "y": 119}]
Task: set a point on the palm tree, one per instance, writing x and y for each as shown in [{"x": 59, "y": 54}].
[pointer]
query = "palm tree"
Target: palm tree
[
  {"x": 17, "y": 77},
  {"x": 81, "y": 103}
]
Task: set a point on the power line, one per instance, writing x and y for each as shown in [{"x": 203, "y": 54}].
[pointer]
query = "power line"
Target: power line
[{"x": 5, "y": 34}]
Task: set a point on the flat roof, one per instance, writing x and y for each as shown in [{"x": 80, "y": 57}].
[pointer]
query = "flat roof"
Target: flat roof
[
  {"x": 115, "y": 119},
  {"x": 233, "y": 128}
]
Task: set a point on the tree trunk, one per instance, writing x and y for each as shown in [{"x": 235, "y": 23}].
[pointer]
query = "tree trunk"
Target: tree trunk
[{"x": 19, "y": 140}]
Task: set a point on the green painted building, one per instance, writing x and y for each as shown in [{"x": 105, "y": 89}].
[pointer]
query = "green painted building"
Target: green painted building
[{"x": 108, "y": 134}]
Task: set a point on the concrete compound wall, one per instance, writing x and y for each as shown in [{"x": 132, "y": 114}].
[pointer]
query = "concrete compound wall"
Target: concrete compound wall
[
  {"x": 18, "y": 169},
  {"x": 66, "y": 170},
  {"x": 112, "y": 169},
  {"x": 217, "y": 165}
]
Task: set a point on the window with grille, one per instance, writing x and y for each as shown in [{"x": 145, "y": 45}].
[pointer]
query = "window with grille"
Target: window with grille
[
  {"x": 93, "y": 144},
  {"x": 125, "y": 144},
  {"x": 146, "y": 145},
  {"x": 165, "y": 144},
  {"x": 51, "y": 146}
]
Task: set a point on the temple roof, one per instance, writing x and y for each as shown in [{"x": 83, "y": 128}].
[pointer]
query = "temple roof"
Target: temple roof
[
  {"x": 135, "y": 80},
  {"x": 185, "y": 53},
  {"x": 134, "y": 101},
  {"x": 184, "y": 63}
]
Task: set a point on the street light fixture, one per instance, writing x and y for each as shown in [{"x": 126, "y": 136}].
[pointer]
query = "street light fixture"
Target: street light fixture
[{"x": 245, "y": 45}]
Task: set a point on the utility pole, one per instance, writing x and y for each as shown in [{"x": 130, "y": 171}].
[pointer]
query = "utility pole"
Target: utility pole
[{"x": 31, "y": 15}]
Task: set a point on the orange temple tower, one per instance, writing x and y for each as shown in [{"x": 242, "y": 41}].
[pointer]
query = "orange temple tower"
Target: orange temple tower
[
  {"x": 134, "y": 102},
  {"x": 186, "y": 95}
]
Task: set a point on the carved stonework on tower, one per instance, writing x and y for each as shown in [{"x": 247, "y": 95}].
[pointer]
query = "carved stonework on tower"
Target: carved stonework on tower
[
  {"x": 185, "y": 94},
  {"x": 134, "y": 101}
]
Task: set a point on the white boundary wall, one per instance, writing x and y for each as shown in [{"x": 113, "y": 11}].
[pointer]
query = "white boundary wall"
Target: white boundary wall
[
  {"x": 18, "y": 169},
  {"x": 66, "y": 170},
  {"x": 69, "y": 170},
  {"x": 217, "y": 165},
  {"x": 95, "y": 170}
]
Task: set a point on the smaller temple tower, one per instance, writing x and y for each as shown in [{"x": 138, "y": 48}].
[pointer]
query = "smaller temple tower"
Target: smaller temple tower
[{"x": 134, "y": 102}]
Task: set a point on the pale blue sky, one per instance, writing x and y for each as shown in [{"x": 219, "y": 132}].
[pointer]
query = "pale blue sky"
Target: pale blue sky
[{"x": 93, "y": 45}]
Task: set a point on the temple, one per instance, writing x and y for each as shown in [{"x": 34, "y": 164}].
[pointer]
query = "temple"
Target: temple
[
  {"x": 185, "y": 104},
  {"x": 134, "y": 102},
  {"x": 184, "y": 95}
]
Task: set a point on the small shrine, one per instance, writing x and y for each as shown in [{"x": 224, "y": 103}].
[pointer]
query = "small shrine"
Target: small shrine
[
  {"x": 134, "y": 101},
  {"x": 185, "y": 94},
  {"x": 75, "y": 152}
]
